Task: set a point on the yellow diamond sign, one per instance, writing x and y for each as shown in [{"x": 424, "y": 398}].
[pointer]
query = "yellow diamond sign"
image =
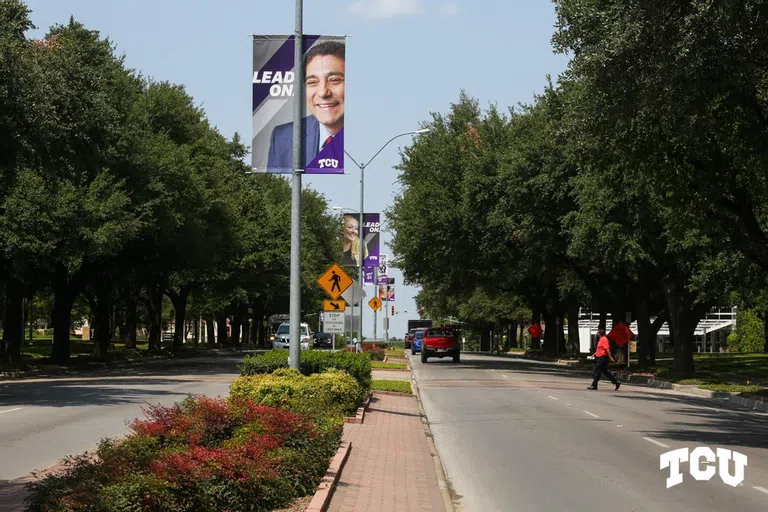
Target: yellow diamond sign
[
  {"x": 334, "y": 281},
  {"x": 375, "y": 303}
]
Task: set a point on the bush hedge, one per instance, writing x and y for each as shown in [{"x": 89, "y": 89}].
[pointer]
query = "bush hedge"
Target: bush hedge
[
  {"x": 321, "y": 393},
  {"x": 311, "y": 362},
  {"x": 201, "y": 454}
]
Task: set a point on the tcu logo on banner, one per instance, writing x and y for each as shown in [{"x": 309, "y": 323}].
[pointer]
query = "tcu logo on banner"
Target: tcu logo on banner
[
  {"x": 702, "y": 465},
  {"x": 330, "y": 163}
]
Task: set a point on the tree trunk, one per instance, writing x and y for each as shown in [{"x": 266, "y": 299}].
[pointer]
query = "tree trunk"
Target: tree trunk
[
  {"x": 520, "y": 337},
  {"x": 103, "y": 332},
  {"x": 179, "y": 300},
  {"x": 765, "y": 330},
  {"x": 210, "y": 331},
  {"x": 155, "y": 313},
  {"x": 221, "y": 321},
  {"x": 236, "y": 323},
  {"x": 245, "y": 323},
  {"x": 197, "y": 330},
  {"x": 561, "y": 348},
  {"x": 485, "y": 340},
  {"x": 130, "y": 322},
  {"x": 682, "y": 328},
  {"x": 550, "y": 334},
  {"x": 512, "y": 336},
  {"x": 645, "y": 341},
  {"x": 13, "y": 327},
  {"x": 573, "y": 328},
  {"x": 63, "y": 301},
  {"x": 260, "y": 332},
  {"x": 603, "y": 320}
]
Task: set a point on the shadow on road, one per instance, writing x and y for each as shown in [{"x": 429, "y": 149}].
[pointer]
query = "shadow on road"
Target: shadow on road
[
  {"x": 12, "y": 495},
  {"x": 115, "y": 387},
  {"x": 709, "y": 427}
]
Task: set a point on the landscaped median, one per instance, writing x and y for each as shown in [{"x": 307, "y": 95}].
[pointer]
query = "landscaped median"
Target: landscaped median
[{"x": 266, "y": 445}]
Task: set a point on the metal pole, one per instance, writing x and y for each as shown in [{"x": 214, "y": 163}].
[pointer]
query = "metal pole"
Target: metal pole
[
  {"x": 375, "y": 313},
  {"x": 298, "y": 166},
  {"x": 386, "y": 321},
  {"x": 361, "y": 254}
]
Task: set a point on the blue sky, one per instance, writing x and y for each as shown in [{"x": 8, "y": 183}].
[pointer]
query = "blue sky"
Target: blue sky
[{"x": 405, "y": 59}]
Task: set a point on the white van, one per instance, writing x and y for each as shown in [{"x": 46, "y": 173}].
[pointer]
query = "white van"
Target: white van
[{"x": 283, "y": 337}]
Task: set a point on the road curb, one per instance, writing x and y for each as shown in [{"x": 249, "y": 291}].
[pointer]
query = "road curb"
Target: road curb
[
  {"x": 322, "y": 498},
  {"x": 445, "y": 488}
]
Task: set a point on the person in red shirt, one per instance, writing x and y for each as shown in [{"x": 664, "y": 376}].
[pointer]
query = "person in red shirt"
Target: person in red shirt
[{"x": 603, "y": 356}]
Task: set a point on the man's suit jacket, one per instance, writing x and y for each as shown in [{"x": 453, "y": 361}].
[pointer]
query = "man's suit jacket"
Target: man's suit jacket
[{"x": 281, "y": 146}]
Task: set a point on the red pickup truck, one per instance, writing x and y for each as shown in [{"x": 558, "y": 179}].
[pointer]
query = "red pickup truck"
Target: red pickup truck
[{"x": 440, "y": 342}]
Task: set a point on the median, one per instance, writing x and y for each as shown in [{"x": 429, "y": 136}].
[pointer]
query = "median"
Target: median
[{"x": 263, "y": 447}]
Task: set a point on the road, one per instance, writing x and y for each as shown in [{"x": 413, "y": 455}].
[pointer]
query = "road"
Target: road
[
  {"x": 527, "y": 436},
  {"x": 44, "y": 420}
]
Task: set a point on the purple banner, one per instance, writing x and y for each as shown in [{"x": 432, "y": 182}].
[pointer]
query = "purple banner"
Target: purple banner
[
  {"x": 369, "y": 275},
  {"x": 383, "y": 284},
  {"x": 272, "y": 106},
  {"x": 351, "y": 240}
]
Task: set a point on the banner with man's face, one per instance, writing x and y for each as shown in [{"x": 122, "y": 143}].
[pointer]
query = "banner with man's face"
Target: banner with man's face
[
  {"x": 274, "y": 74},
  {"x": 391, "y": 290},
  {"x": 350, "y": 240}
]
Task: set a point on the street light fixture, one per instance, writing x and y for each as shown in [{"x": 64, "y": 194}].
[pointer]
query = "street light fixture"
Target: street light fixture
[{"x": 362, "y": 196}]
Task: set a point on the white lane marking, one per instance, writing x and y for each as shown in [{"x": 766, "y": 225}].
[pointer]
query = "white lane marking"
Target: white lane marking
[
  {"x": 655, "y": 442},
  {"x": 553, "y": 398},
  {"x": 761, "y": 489},
  {"x": 567, "y": 404},
  {"x": 593, "y": 415},
  {"x": 11, "y": 410},
  {"x": 620, "y": 426},
  {"x": 504, "y": 376}
]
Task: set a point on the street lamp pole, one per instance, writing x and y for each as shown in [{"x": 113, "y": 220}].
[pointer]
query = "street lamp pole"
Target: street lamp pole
[
  {"x": 294, "y": 345},
  {"x": 362, "y": 205}
]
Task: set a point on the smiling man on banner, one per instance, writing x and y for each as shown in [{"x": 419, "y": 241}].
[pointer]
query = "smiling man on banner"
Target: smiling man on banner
[{"x": 324, "y": 67}]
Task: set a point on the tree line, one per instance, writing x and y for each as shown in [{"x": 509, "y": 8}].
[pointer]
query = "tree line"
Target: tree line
[
  {"x": 116, "y": 191},
  {"x": 638, "y": 181}
]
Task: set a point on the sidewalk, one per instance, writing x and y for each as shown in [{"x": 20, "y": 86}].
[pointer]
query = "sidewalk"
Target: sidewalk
[{"x": 390, "y": 466}]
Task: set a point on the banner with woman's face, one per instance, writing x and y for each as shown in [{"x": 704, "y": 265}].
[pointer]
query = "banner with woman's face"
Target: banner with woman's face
[{"x": 350, "y": 239}]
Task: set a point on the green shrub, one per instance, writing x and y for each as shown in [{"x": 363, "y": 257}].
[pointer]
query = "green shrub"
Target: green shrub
[
  {"x": 374, "y": 352},
  {"x": 311, "y": 362},
  {"x": 333, "y": 391}
]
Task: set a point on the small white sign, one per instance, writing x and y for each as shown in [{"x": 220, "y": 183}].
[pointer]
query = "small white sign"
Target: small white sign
[{"x": 333, "y": 322}]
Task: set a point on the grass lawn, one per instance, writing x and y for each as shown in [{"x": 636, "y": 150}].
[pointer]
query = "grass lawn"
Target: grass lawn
[
  {"x": 398, "y": 386},
  {"x": 395, "y": 352},
  {"x": 715, "y": 369},
  {"x": 388, "y": 366}
]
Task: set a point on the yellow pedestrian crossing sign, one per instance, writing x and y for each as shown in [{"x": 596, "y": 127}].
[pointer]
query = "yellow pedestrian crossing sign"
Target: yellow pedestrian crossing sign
[
  {"x": 334, "y": 281},
  {"x": 375, "y": 303}
]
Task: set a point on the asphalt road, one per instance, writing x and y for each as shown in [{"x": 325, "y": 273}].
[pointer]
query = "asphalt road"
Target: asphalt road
[
  {"x": 44, "y": 420},
  {"x": 527, "y": 436}
]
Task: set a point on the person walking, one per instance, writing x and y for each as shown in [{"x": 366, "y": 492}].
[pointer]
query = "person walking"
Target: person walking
[{"x": 603, "y": 356}]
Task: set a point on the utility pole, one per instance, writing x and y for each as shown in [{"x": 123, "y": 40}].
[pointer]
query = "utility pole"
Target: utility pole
[{"x": 298, "y": 169}]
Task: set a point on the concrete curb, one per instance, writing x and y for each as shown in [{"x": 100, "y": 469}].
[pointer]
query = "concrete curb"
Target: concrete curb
[
  {"x": 646, "y": 380},
  {"x": 392, "y": 393},
  {"x": 322, "y": 497},
  {"x": 442, "y": 479}
]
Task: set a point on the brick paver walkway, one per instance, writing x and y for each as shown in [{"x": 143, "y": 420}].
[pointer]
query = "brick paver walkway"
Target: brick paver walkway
[{"x": 390, "y": 467}]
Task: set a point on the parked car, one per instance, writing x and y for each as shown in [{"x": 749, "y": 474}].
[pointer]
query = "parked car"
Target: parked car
[
  {"x": 323, "y": 340},
  {"x": 440, "y": 342},
  {"x": 409, "y": 338},
  {"x": 283, "y": 337},
  {"x": 418, "y": 334}
]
